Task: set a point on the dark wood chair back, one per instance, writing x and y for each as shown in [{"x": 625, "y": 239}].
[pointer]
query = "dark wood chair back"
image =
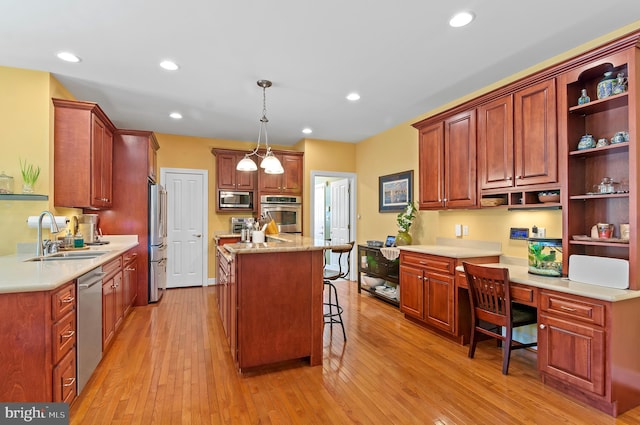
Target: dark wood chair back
[{"x": 490, "y": 298}]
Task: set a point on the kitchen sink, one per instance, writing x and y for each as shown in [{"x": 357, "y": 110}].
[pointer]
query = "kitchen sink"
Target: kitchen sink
[{"x": 71, "y": 255}]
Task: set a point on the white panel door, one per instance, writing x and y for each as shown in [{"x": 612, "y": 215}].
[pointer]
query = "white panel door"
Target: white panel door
[
  {"x": 340, "y": 229},
  {"x": 185, "y": 224},
  {"x": 318, "y": 231}
]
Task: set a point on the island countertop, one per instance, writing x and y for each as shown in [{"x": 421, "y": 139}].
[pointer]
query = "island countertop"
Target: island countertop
[{"x": 283, "y": 242}]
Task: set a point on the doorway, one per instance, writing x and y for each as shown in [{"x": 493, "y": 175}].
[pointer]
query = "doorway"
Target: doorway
[
  {"x": 333, "y": 210},
  {"x": 187, "y": 224}
]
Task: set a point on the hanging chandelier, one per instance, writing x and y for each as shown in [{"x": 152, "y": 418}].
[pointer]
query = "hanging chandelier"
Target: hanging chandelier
[{"x": 269, "y": 162}]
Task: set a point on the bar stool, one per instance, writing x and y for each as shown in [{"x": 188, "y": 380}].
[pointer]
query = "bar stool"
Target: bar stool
[{"x": 333, "y": 309}]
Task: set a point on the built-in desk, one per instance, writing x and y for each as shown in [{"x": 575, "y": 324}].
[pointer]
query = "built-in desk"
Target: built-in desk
[{"x": 587, "y": 336}]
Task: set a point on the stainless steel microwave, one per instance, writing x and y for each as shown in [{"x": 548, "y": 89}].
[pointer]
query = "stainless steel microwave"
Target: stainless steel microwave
[{"x": 230, "y": 200}]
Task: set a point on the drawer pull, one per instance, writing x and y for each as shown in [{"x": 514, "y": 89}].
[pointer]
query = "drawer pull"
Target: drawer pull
[
  {"x": 70, "y": 382},
  {"x": 68, "y": 334},
  {"x": 129, "y": 269},
  {"x": 68, "y": 300},
  {"x": 423, "y": 262},
  {"x": 562, "y": 307}
]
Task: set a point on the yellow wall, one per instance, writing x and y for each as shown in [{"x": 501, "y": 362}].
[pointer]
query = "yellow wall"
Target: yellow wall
[
  {"x": 26, "y": 133},
  {"x": 323, "y": 155}
]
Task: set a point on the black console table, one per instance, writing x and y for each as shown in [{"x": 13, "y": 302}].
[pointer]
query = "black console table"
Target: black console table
[{"x": 374, "y": 264}]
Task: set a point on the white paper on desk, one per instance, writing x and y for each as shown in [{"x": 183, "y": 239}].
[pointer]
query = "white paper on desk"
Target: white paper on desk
[{"x": 61, "y": 221}]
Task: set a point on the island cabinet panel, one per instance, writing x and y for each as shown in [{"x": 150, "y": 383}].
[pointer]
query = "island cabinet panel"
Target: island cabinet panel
[
  {"x": 38, "y": 331},
  {"x": 447, "y": 162},
  {"x": 83, "y": 150},
  {"x": 278, "y": 307}
]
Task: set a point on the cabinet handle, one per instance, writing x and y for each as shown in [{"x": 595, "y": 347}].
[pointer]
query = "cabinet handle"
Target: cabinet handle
[
  {"x": 70, "y": 382},
  {"x": 518, "y": 177},
  {"x": 67, "y": 300},
  {"x": 68, "y": 334},
  {"x": 423, "y": 262},
  {"x": 444, "y": 200},
  {"x": 542, "y": 326},
  {"x": 567, "y": 308},
  {"x": 129, "y": 269}
]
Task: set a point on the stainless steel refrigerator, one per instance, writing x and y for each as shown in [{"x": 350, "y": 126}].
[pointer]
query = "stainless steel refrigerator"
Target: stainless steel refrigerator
[{"x": 157, "y": 240}]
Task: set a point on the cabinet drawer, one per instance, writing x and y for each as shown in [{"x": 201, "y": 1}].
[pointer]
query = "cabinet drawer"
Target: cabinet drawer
[
  {"x": 63, "y": 301},
  {"x": 63, "y": 336},
  {"x": 441, "y": 264},
  {"x": 64, "y": 379},
  {"x": 574, "y": 308},
  {"x": 524, "y": 294},
  {"x": 129, "y": 257},
  {"x": 112, "y": 267}
]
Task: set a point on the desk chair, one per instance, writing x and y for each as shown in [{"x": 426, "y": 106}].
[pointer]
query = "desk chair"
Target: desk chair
[
  {"x": 333, "y": 310},
  {"x": 490, "y": 297}
]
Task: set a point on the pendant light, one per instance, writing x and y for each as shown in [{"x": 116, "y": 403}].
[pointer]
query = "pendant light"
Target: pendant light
[{"x": 269, "y": 162}]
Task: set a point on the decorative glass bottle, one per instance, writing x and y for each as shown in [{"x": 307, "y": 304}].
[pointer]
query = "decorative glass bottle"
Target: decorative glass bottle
[{"x": 584, "y": 98}]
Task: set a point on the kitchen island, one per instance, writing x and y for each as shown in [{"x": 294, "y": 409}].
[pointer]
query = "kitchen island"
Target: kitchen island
[{"x": 271, "y": 299}]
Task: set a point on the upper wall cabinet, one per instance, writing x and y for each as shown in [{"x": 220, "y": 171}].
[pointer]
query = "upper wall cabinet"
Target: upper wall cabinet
[
  {"x": 517, "y": 139},
  {"x": 227, "y": 176},
  {"x": 447, "y": 162},
  {"x": 290, "y": 182},
  {"x": 83, "y": 151}
]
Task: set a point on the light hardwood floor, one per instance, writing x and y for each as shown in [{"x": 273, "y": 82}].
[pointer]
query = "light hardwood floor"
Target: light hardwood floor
[{"x": 170, "y": 364}]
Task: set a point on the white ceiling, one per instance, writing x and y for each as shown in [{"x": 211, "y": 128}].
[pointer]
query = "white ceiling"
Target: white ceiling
[{"x": 401, "y": 56}]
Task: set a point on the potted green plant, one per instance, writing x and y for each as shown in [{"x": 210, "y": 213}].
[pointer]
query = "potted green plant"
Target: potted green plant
[{"x": 30, "y": 174}]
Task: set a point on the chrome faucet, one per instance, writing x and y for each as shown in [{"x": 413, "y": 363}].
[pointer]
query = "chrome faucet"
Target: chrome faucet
[{"x": 54, "y": 229}]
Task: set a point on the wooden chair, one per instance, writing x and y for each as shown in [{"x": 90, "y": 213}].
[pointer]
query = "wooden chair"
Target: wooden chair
[
  {"x": 490, "y": 297},
  {"x": 333, "y": 313}
]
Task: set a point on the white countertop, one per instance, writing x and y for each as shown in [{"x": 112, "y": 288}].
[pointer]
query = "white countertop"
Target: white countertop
[
  {"x": 16, "y": 275},
  {"x": 451, "y": 251},
  {"x": 520, "y": 274}
]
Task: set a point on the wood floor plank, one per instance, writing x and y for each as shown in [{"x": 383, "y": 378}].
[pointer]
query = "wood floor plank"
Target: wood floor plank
[{"x": 170, "y": 364}]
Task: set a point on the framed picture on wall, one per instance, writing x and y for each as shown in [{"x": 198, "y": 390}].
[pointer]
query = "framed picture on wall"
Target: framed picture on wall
[{"x": 395, "y": 191}]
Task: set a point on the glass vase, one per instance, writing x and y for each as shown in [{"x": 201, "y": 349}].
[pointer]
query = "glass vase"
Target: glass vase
[
  {"x": 403, "y": 238},
  {"x": 27, "y": 188}
]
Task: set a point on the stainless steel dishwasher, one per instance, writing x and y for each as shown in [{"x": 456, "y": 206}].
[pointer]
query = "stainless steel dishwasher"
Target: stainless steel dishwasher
[{"x": 89, "y": 324}]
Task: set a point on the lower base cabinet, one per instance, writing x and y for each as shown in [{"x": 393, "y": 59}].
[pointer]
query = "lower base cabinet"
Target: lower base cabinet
[
  {"x": 428, "y": 292},
  {"x": 119, "y": 292},
  {"x": 38, "y": 356}
]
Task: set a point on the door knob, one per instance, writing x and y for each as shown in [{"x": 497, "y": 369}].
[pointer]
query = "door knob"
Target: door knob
[{"x": 542, "y": 326}]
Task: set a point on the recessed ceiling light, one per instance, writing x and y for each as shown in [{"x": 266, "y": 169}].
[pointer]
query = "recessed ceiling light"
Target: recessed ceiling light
[
  {"x": 169, "y": 65},
  {"x": 461, "y": 19},
  {"x": 176, "y": 115},
  {"x": 68, "y": 57},
  {"x": 307, "y": 130},
  {"x": 353, "y": 97}
]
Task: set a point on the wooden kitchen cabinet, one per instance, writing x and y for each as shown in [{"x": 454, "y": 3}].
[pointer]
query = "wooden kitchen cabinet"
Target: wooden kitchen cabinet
[
  {"x": 447, "y": 162},
  {"x": 38, "y": 330},
  {"x": 428, "y": 295},
  {"x": 431, "y": 292},
  {"x": 227, "y": 298},
  {"x": 129, "y": 280},
  {"x": 134, "y": 161},
  {"x": 83, "y": 155},
  {"x": 112, "y": 304},
  {"x": 290, "y": 182},
  {"x": 517, "y": 138},
  {"x": 228, "y": 178}
]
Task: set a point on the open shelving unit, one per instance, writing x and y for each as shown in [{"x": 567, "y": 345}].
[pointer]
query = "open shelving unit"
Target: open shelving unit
[{"x": 602, "y": 118}]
